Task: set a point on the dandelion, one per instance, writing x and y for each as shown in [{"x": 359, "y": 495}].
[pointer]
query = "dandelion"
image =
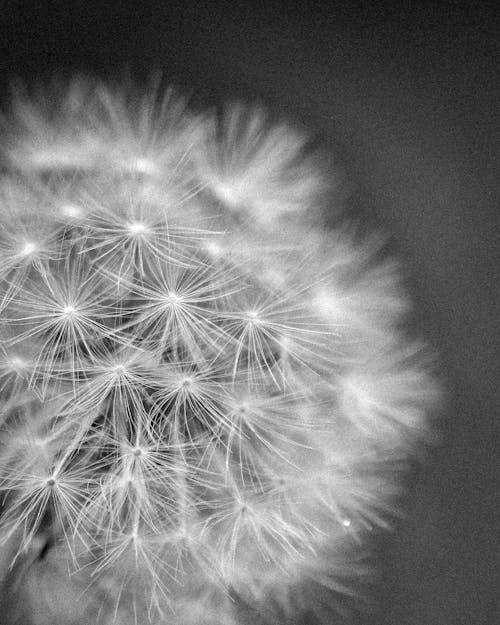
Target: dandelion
[{"x": 205, "y": 397}]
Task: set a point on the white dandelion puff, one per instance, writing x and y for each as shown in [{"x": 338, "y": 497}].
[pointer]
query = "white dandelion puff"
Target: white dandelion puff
[{"x": 205, "y": 397}]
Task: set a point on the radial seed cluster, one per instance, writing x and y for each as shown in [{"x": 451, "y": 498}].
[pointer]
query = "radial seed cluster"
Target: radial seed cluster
[{"x": 204, "y": 394}]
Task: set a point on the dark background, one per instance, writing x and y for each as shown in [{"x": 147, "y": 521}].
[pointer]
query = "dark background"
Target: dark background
[{"x": 409, "y": 100}]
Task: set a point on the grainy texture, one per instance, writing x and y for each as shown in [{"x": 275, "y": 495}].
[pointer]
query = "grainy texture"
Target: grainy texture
[{"x": 205, "y": 394}]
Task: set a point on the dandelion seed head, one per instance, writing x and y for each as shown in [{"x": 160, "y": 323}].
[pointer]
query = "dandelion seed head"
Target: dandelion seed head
[
  {"x": 242, "y": 408},
  {"x": 28, "y": 248},
  {"x": 187, "y": 382},
  {"x": 229, "y": 193},
  {"x": 69, "y": 311},
  {"x": 118, "y": 370},
  {"x": 72, "y": 211},
  {"x": 18, "y": 363},
  {"x": 253, "y": 317},
  {"x": 137, "y": 228},
  {"x": 171, "y": 298},
  {"x": 324, "y": 303},
  {"x": 214, "y": 249},
  {"x": 208, "y": 395}
]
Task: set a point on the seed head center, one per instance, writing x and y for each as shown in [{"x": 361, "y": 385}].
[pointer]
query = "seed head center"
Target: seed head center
[
  {"x": 29, "y": 248},
  {"x": 119, "y": 369},
  {"x": 71, "y": 210},
  {"x": 18, "y": 363},
  {"x": 173, "y": 298},
  {"x": 137, "y": 228},
  {"x": 253, "y": 317},
  {"x": 242, "y": 409}
]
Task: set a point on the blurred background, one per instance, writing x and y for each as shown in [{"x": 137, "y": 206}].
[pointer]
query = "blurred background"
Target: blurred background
[{"x": 407, "y": 99}]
